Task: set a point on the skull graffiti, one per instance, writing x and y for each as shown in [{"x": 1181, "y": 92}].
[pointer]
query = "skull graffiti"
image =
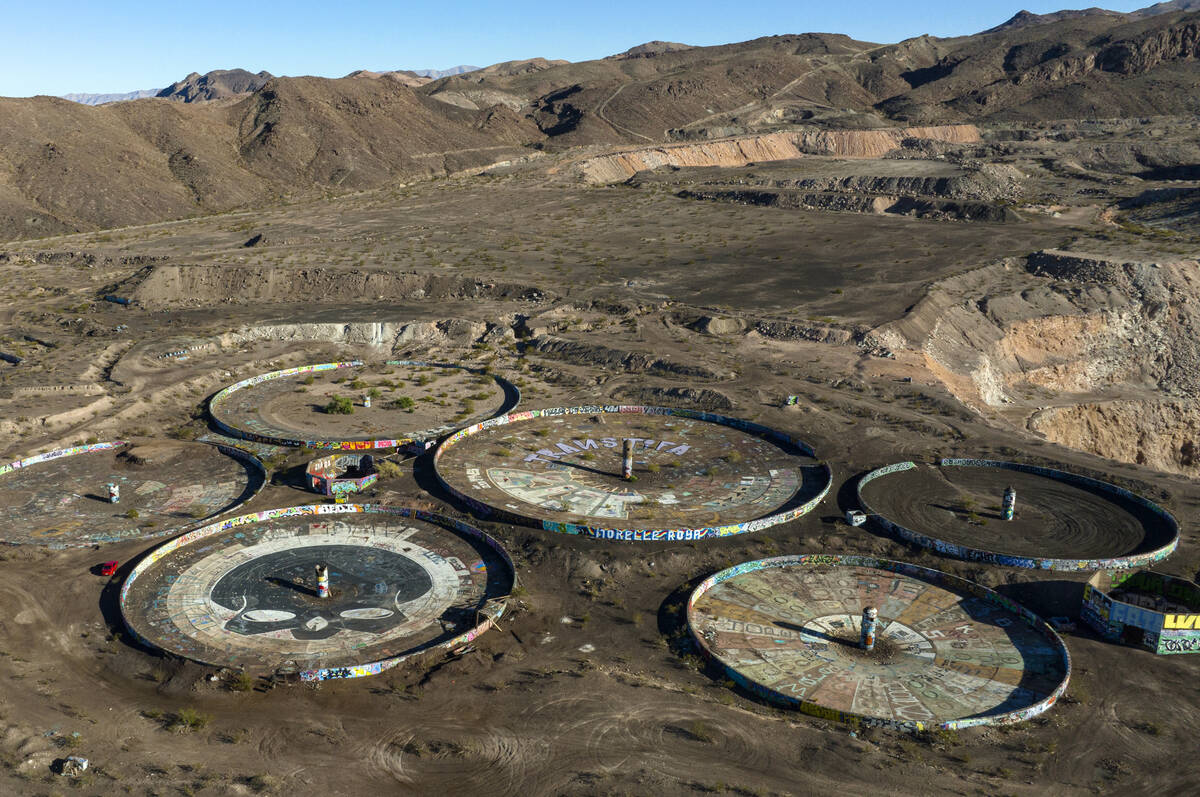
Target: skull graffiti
[{"x": 370, "y": 590}]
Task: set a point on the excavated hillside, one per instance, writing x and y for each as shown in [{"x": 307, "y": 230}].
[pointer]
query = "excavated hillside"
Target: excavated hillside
[
  {"x": 899, "y": 183},
  {"x": 171, "y": 286},
  {"x": 1097, "y": 354},
  {"x": 740, "y": 151}
]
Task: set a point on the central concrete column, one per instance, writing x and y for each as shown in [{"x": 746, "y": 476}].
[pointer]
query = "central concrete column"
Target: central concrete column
[
  {"x": 867, "y": 639},
  {"x": 322, "y": 581},
  {"x": 1010, "y": 503},
  {"x": 114, "y": 493},
  {"x": 627, "y": 463}
]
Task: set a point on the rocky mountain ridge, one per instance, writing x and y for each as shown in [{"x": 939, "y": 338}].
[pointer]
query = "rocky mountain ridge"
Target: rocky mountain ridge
[
  {"x": 215, "y": 85},
  {"x": 269, "y": 137}
]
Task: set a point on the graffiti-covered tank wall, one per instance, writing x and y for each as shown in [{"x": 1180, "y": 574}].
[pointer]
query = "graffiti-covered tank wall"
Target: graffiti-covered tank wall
[
  {"x": 340, "y": 475},
  {"x": 1158, "y": 612}
]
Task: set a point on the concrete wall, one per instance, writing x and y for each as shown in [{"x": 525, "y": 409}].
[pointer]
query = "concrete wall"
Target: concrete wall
[
  {"x": 1162, "y": 632},
  {"x": 325, "y": 475},
  {"x": 1170, "y": 526},
  {"x": 633, "y": 535},
  {"x": 925, "y": 574},
  {"x": 512, "y": 397},
  {"x": 492, "y": 614}
]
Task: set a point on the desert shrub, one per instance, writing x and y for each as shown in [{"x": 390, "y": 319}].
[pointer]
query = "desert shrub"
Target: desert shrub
[
  {"x": 403, "y": 403},
  {"x": 183, "y": 433},
  {"x": 388, "y": 469},
  {"x": 189, "y": 719},
  {"x": 700, "y": 731},
  {"x": 264, "y": 784},
  {"x": 339, "y": 405},
  {"x": 242, "y": 682}
]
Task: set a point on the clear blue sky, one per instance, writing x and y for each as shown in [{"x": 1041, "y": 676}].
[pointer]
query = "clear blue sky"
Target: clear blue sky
[{"x": 49, "y": 47}]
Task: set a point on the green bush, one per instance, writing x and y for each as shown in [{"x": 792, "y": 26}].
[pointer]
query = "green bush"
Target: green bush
[
  {"x": 242, "y": 682},
  {"x": 189, "y": 719},
  {"x": 339, "y": 405}
]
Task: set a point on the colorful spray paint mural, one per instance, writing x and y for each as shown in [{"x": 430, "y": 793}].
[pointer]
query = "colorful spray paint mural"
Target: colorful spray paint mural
[
  {"x": 1064, "y": 522},
  {"x": 114, "y": 491},
  {"x": 341, "y": 475},
  {"x": 1158, "y": 612},
  {"x": 246, "y": 592},
  {"x": 692, "y": 475},
  {"x": 947, "y": 653},
  {"x": 273, "y": 407}
]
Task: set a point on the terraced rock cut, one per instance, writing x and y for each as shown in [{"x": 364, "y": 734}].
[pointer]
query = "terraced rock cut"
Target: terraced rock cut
[
  {"x": 948, "y": 653},
  {"x": 694, "y": 474},
  {"x": 326, "y": 405},
  {"x": 244, "y": 593},
  {"x": 1062, "y": 521},
  {"x": 61, "y": 499}
]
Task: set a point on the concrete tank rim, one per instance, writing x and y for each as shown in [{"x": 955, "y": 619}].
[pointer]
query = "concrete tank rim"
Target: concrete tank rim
[
  {"x": 970, "y": 553},
  {"x": 681, "y": 534},
  {"x": 152, "y": 556},
  {"x": 512, "y": 399},
  {"x": 925, "y": 573},
  {"x": 233, "y": 451}
]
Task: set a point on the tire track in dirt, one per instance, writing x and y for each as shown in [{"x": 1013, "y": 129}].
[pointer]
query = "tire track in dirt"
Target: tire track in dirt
[{"x": 471, "y": 757}]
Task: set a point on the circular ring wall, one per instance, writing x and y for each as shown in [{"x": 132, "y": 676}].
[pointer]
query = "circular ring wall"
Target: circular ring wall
[
  {"x": 695, "y": 474},
  {"x": 293, "y": 407},
  {"x": 244, "y": 593},
  {"x": 949, "y": 653},
  {"x": 61, "y": 498},
  {"x": 1062, "y": 521}
]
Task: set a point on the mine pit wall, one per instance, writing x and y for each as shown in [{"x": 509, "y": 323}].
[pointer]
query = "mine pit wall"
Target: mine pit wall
[
  {"x": 165, "y": 285},
  {"x": 379, "y": 334},
  {"x": 1162, "y": 435},
  {"x": 59, "y": 390},
  {"x": 1090, "y": 327},
  {"x": 920, "y": 207},
  {"x": 740, "y": 151}
]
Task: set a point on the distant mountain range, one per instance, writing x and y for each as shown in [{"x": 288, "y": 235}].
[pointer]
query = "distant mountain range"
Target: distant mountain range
[
  {"x": 454, "y": 70},
  {"x": 260, "y": 137},
  {"x": 227, "y": 83},
  {"x": 100, "y": 99}
]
